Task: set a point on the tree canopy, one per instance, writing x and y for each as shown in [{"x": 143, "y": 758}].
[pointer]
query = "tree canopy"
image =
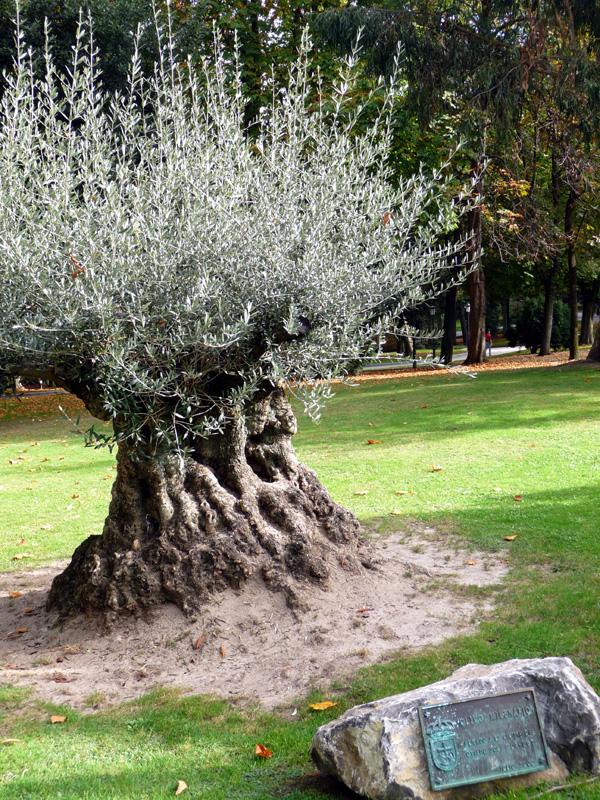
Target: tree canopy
[{"x": 168, "y": 269}]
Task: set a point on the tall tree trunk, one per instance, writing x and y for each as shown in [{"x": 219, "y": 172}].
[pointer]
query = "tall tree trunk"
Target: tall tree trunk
[
  {"x": 588, "y": 307},
  {"x": 449, "y": 336},
  {"x": 571, "y": 270},
  {"x": 506, "y": 316},
  {"x": 476, "y": 287},
  {"x": 584, "y": 326},
  {"x": 549, "y": 291},
  {"x": 241, "y": 506},
  {"x": 476, "y": 279},
  {"x": 251, "y": 51},
  {"x": 594, "y": 354},
  {"x": 464, "y": 327},
  {"x": 405, "y": 346}
]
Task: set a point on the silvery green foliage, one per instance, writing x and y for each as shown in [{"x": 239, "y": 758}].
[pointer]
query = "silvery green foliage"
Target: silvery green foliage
[{"x": 153, "y": 253}]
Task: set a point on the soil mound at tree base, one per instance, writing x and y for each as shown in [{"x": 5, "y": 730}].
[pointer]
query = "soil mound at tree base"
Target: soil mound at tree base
[{"x": 249, "y": 645}]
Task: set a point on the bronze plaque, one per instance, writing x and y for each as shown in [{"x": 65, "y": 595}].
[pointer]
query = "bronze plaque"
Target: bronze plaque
[{"x": 483, "y": 739}]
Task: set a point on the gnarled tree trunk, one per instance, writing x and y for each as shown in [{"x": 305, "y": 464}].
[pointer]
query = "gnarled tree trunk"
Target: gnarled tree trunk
[{"x": 242, "y": 505}]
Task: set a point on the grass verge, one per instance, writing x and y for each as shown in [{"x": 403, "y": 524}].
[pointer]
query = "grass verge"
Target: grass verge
[{"x": 518, "y": 453}]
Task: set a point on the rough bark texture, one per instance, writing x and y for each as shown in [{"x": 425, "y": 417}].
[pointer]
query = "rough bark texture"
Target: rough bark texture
[
  {"x": 476, "y": 344},
  {"x": 449, "y": 337},
  {"x": 548, "y": 310},
  {"x": 571, "y": 271},
  {"x": 476, "y": 279},
  {"x": 586, "y": 329},
  {"x": 243, "y": 505},
  {"x": 594, "y": 354},
  {"x": 588, "y": 311},
  {"x": 506, "y": 317}
]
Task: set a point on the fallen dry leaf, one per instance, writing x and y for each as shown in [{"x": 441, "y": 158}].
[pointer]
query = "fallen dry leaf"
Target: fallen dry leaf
[
  {"x": 510, "y": 538},
  {"x": 9, "y": 741},
  {"x": 21, "y": 542},
  {"x": 29, "y": 611},
  {"x": 395, "y": 512},
  {"x": 517, "y": 498},
  {"x": 322, "y": 706},
  {"x": 46, "y": 527},
  {"x": 60, "y": 677},
  {"x": 401, "y": 492},
  {"x": 361, "y": 493},
  {"x": 436, "y": 468},
  {"x": 19, "y": 556},
  {"x": 181, "y": 787},
  {"x": 222, "y": 651},
  {"x": 470, "y": 563},
  {"x": 262, "y": 752},
  {"x": 71, "y": 649},
  {"x": 374, "y": 441},
  {"x": 425, "y": 405},
  {"x": 57, "y": 719},
  {"x": 75, "y": 496},
  {"x": 14, "y": 595},
  {"x": 199, "y": 643},
  {"x": 364, "y": 609},
  {"x": 18, "y": 632}
]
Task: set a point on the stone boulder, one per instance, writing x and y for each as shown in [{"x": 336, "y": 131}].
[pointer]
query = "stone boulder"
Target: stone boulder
[{"x": 377, "y": 749}]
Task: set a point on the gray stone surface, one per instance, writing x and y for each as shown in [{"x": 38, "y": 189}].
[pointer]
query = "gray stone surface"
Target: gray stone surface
[{"x": 377, "y": 749}]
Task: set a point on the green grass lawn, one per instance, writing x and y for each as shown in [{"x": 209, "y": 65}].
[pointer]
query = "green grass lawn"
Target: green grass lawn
[{"x": 533, "y": 434}]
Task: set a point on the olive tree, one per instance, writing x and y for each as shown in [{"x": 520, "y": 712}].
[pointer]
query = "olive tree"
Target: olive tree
[{"x": 182, "y": 278}]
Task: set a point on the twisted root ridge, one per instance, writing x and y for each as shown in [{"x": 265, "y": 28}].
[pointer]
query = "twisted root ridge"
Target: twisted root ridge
[{"x": 242, "y": 505}]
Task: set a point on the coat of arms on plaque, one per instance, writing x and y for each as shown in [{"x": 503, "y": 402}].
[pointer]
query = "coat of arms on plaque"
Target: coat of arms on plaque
[{"x": 442, "y": 746}]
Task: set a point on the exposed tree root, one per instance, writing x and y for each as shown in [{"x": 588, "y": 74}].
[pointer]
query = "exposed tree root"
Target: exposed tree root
[{"x": 243, "y": 504}]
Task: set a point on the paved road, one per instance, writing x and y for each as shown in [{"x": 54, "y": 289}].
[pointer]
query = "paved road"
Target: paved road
[{"x": 459, "y": 356}]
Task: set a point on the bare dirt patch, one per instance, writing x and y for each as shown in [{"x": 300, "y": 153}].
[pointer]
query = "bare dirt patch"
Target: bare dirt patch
[{"x": 248, "y": 644}]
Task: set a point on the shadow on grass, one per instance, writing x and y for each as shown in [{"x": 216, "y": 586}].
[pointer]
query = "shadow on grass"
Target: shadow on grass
[
  {"x": 549, "y": 523},
  {"x": 504, "y": 401}
]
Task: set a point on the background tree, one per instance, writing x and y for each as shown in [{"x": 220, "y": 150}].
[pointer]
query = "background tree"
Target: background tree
[
  {"x": 115, "y": 22},
  {"x": 7, "y": 38},
  {"x": 176, "y": 275},
  {"x": 569, "y": 89},
  {"x": 517, "y": 75},
  {"x": 459, "y": 58},
  {"x": 594, "y": 354},
  {"x": 267, "y": 35}
]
